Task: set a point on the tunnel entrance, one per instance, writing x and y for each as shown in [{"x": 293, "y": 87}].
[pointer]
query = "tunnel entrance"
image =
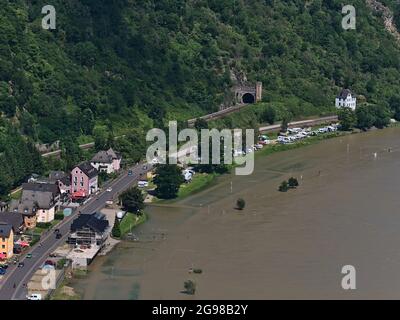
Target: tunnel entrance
[{"x": 248, "y": 98}]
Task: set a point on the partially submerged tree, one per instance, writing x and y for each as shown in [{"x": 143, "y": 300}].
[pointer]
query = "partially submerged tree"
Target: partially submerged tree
[
  {"x": 293, "y": 182},
  {"x": 240, "y": 204},
  {"x": 190, "y": 287},
  {"x": 284, "y": 187}
]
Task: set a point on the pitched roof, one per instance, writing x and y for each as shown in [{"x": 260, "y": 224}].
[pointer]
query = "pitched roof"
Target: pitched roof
[
  {"x": 25, "y": 207},
  {"x": 102, "y": 157},
  {"x": 41, "y": 187},
  {"x": 66, "y": 180},
  {"x": 57, "y": 175},
  {"x": 88, "y": 169},
  {"x": 106, "y": 156},
  {"x": 344, "y": 93},
  {"x": 42, "y": 194},
  {"x": 94, "y": 221},
  {"x": 5, "y": 230},
  {"x": 14, "y": 219}
]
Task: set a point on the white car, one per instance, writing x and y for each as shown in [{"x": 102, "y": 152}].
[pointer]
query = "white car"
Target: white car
[
  {"x": 109, "y": 189},
  {"x": 34, "y": 296},
  {"x": 259, "y": 146},
  {"x": 143, "y": 184}
]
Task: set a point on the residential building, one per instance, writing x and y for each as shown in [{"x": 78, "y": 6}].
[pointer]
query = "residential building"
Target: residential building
[
  {"x": 89, "y": 229},
  {"x": 84, "y": 179},
  {"x": 62, "y": 179},
  {"x": 6, "y": 241},
  {"x": 346, "y": 99},
  {"x": 107, "y": 161},
  {"x": 14, "y": 219},
  {"x": 27, "y": 209},
  {"x": 45, "y": 196}
]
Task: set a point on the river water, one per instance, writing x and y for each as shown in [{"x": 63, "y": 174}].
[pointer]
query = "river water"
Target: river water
[{"x": 283, "y": 245}]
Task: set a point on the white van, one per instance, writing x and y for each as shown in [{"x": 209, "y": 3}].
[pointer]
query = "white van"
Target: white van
[
  {"x": 143, "y": 184},
  {"x": 34, "y": 296}
]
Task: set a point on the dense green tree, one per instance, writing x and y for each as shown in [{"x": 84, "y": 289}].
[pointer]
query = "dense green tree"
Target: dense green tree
[
  {"x": 347, "y": 118},
  {"x": 365, "y": 118},
  {"x": 116, "y": 230},
  {"x": 132, "y": 200},
  {"x": 168, "y": 180},
  {"x": 269, "y": 115}
]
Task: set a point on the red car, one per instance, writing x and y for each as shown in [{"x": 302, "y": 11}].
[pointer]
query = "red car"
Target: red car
[{"x": 49, "y": 263}]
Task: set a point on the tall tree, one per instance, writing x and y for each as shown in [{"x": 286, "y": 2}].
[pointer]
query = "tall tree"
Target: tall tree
[
  {"x": 132, "y": 200},
  {"x": 168, "y": 180}
]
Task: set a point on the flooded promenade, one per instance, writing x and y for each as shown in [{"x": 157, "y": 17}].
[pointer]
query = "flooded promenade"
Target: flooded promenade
[{"x": 283, "y": 245}]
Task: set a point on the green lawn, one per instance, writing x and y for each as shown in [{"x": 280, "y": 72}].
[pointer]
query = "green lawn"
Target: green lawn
[
  {"x": 199, "y": 182},
  {"x": 40, "y": 230},
  {"x": 130, "y": 221}
]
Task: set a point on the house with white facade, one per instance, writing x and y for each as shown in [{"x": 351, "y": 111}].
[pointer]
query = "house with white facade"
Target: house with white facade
[
  {"x": 346, "y": 99},
  {"x": 45, "y": 197},
  {"x": 107, "y": 161}
]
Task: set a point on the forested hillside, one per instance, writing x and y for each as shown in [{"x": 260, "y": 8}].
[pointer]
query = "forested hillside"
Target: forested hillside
[{"x": 117, "y": 67}]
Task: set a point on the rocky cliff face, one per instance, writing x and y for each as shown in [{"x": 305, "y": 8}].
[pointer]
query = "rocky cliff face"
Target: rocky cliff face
[{"x": 387, "y": 16}]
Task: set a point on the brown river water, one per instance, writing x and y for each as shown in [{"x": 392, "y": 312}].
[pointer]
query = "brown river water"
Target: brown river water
[{"x": 283, "y": 245}]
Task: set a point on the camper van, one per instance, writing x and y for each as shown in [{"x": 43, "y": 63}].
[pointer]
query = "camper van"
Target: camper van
[{"x": 143, "y": 184}]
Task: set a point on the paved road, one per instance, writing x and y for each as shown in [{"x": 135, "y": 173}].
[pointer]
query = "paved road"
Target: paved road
[{"x": 40, "y": 253}]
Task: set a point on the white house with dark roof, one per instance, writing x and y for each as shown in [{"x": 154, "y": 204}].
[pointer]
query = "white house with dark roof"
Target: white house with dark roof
[
  {"x": 107, "y": 161},
  {"x": 346, "y": 99},
  {"x": 45, "y": 197}
]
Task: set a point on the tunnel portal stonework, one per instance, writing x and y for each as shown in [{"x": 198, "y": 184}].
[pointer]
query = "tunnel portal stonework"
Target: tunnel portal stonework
[{"x": 247, "y": 93}]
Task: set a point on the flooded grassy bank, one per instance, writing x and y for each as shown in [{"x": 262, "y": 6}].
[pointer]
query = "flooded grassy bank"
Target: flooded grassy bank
[{"x": 283, "y": 245}]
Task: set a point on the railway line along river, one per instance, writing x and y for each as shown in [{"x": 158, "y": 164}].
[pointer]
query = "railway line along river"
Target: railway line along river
[{"x": 283, "y": 245}]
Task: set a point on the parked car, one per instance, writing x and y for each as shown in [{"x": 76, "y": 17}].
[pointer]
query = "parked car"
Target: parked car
[
  {"x": 29, "y": 255},
  {"x": 4, "y": 266},
  {"x": 130, "y": 173},
  {"x": 259, "y": 146},
  {"x": 143, "y": 184},
  {"x": 34, "y": 296},
  {"x": 21, "y": 265},
  {"x": 2, "y": 272},
  {"x": 50, "y": 263},
  {"x": 58, "y": 236},
  {"x": 109, "y": 189}
]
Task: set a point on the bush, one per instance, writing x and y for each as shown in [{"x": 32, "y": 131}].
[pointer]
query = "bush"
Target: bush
[
  {"x": 59, "y": 216},
  {"x": 284, "y": 187},
  {"x": 240, "y": 204},
  {"x": 43, "y": 225}
]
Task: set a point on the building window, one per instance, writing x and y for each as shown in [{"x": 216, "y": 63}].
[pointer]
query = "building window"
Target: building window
[{"x": 3, "y": 246}]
